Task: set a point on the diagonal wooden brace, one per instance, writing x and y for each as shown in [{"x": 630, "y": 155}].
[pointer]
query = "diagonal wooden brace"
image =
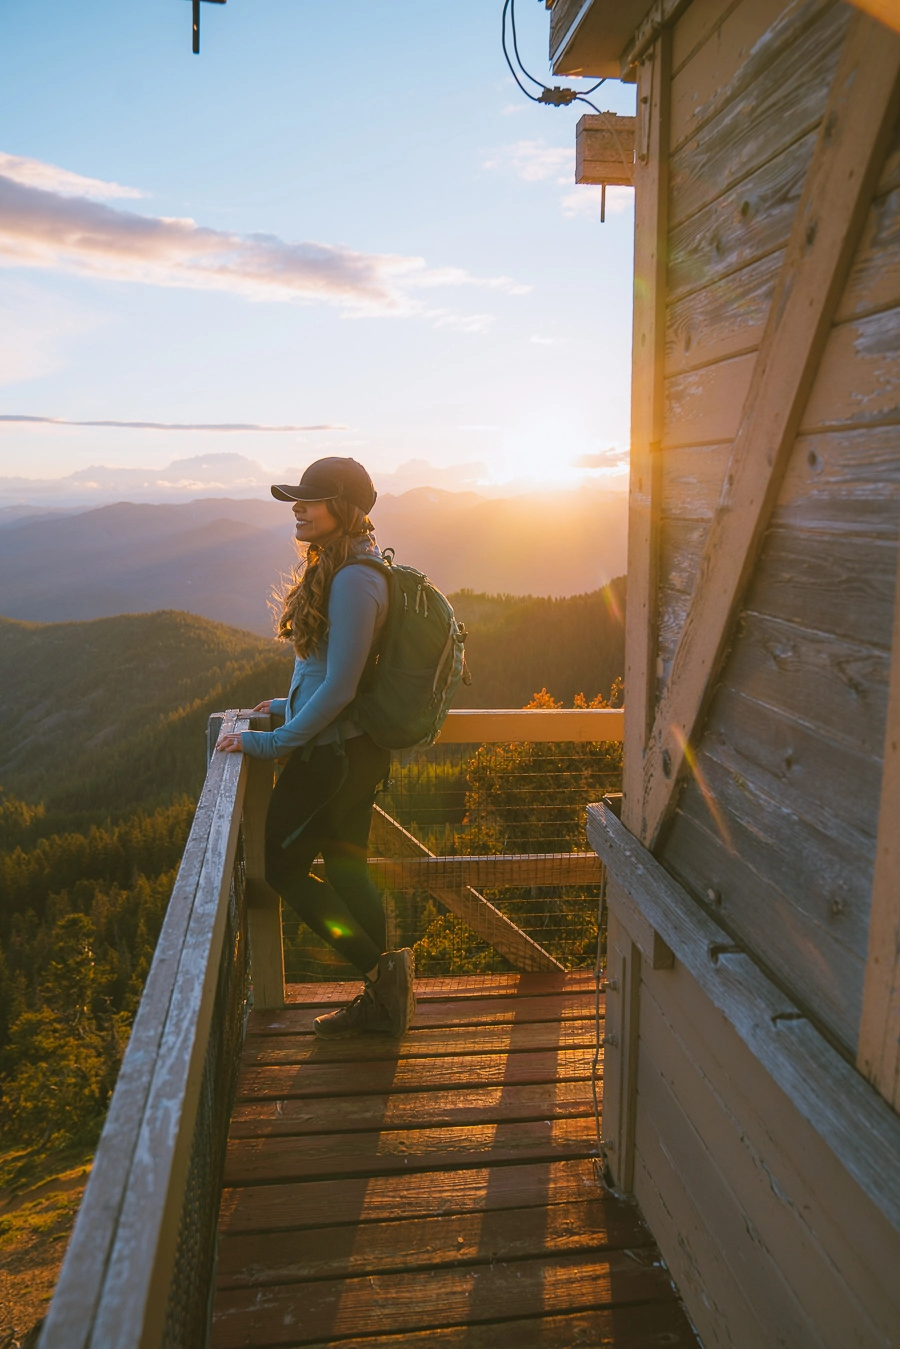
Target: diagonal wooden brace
[{"x": 391, "y": 839}]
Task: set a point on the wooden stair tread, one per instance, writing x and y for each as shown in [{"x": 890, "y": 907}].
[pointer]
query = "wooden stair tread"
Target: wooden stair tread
[
  {"x": 441, "y": 988},
  {"x": 425, "y": 1074},
  {"x": 286, "y": 1257},
  {"x": 480, "y": 1105},
  {"x": 417, "y": 1301},
  {"x": 421, "y": 1043},
  {"x": 260, "y": 1161},
  {"x": 569, "y": 1006},
  {"x": 645, "y": 1326}
]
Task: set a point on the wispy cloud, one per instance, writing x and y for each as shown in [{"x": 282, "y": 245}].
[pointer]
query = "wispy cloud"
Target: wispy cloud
[
  {"x": 167, "y": 426},
  {"x": 51, "y": 178},
  {"x": 44, "y": 227},
  {"x": 605, "y": 462},
  {"x": 535, "y": 161}
]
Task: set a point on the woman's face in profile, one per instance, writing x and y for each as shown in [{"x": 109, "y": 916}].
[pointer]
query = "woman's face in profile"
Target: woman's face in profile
[{"x": 314, "y": 521}]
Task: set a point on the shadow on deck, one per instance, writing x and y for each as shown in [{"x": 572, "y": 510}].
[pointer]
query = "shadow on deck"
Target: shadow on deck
[{"x": 441, "y": 1186}]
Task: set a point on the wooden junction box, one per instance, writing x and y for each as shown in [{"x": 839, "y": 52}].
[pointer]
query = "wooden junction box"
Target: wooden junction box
[{"x": 752, "y": 1073}]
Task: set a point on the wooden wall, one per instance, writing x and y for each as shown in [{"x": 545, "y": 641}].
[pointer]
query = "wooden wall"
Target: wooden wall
[
  {"x": 770, "y": 1240},
  {"x": 791, "y": 755}
]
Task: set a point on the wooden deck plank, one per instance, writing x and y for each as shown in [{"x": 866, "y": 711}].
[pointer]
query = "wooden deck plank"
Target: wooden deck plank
[
  {"x": 262, "y": 1161},
  {"x": 440, "y": 988},
  {"x": 431, "y": 1074},
  {"x": 419, "y": 1044},
  {"x": 415, "y": 1302},
  {"x": 570, "y": 1006},
  {"x": 651, "y": 1326},
  {"x": 314, "y": 1203},
  {"x": 425, "y": 1243},
  {"x": 499, "y": 1232},
  {"x": 484, "y": 1105}
]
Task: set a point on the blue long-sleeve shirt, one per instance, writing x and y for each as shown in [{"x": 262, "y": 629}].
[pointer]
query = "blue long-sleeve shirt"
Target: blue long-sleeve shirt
[{"x": 325, "y": 683}]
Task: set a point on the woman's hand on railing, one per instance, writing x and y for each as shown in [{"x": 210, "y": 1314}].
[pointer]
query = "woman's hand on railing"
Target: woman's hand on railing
[
  {"x": 264, "y": 707},
  {"x": 230, "y": 743}
]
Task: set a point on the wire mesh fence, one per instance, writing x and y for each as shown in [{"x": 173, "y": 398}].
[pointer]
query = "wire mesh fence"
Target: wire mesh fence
[
  {"x": 189, "y": 1301},
  {"x": 524, "y": 802}
]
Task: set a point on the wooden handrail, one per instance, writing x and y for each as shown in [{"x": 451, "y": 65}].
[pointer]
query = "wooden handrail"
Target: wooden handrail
[
  {"x": 114, "y": 1283},
  {"x": 493, "y": 725},
  {"x": 492, "y": 870}
]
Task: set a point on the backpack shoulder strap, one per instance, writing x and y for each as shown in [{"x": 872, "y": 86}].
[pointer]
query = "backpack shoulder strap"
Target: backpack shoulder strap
[{"x": 376, "y": 562}]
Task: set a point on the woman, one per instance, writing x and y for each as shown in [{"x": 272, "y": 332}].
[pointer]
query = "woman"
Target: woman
[{"x": 333, "y": 615}]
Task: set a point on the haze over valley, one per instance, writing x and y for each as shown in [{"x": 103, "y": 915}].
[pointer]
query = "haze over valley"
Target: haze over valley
[{"x": 219, "y": 557}]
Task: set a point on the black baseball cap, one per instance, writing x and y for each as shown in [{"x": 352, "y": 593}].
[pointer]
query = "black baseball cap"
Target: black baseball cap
[{"x": 328, "y": 478}]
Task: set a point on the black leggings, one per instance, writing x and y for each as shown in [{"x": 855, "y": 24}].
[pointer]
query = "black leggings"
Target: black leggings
[{"x": 323, "y": 804}]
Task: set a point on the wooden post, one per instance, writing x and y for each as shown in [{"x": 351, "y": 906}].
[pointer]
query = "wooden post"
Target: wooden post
[
  {"x": 263, "y": 904},
  {"x": 878, "y": 1053},
  {"x": 620, "y": 1052},
  {"x": 651, "y": 181}
]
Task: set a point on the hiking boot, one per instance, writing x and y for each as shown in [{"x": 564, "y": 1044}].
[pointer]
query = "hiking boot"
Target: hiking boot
[
  {"x": 364, "y": 1013},
  {"x": 393, "y": 989}
]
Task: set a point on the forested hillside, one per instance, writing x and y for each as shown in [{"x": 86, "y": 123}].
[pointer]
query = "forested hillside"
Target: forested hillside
[
  {"x": 100, "y": 718},
  {"x": 520, "y": 644}
]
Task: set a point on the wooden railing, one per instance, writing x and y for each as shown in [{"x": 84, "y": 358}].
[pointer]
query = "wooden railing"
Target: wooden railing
[{"x": 139, "y": 1270}]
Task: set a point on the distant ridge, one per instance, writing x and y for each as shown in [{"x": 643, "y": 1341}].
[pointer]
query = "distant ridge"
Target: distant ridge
[{"x": 219, "y": 557}]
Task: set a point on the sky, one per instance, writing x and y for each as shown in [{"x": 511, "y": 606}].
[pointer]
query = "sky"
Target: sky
[{"x": 344, "y": 220}]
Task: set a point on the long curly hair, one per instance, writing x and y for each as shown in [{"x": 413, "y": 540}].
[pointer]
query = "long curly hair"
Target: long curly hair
[{"x": 303, "y": 597}]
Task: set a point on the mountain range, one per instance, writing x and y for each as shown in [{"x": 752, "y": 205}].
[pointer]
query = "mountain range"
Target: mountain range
[
  {"x": 220, "y": 557},
  {"x": 222, "y": 473}
]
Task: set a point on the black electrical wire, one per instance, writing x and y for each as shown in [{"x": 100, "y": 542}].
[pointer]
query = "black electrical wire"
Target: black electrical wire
[
  {"x": 515, "y": 38},
  {"x": 509, "y": 8},
  {"x": 512, "y": 70}
]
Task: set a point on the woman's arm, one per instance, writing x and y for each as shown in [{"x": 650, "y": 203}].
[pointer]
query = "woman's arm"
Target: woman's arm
[{"x": 358, "y": 593}]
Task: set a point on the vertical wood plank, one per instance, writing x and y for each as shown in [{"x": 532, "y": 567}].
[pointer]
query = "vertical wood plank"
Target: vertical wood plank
[
  {"x": 618, "y": 956},
  {"x": 651, "y": 227},
  {"x": 858, "y": 122},
  {"x": 631, "y": 1006},
  {"x": 263, "y": 904},
  {"x": 878, "y": 1052},
  {"x": 651, "y": 181},
  {"x": 620, "y": 1055}
]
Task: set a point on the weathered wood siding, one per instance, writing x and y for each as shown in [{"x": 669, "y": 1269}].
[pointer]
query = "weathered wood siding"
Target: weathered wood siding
[
  {"x": 770, "y": 1238},
  {"x": 777, "y": 828},
  {"x": 770, "y": 1241}
]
